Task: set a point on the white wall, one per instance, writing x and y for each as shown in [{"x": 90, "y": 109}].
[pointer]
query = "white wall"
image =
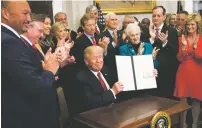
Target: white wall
[{"x": 75, "y": 9}]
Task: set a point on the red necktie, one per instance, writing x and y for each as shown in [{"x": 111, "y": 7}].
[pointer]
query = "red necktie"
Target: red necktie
[
  {"x": 102, "y": 81},
  {"x": 93, "y": 40},
  {"x": 96, "y": 30},
  {"x": 157, "y": 33},
  {"x": 33, "y": 46}
]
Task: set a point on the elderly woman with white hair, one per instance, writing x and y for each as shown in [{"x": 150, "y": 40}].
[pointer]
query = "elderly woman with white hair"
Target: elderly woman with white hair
[{"x": 135, "y": 46}]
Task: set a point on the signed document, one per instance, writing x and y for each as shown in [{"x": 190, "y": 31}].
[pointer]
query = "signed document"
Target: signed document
[{"x": 136, "y": 72}]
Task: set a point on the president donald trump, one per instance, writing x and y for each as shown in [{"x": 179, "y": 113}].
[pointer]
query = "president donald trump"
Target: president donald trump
[{"x": 96, "y": 86}]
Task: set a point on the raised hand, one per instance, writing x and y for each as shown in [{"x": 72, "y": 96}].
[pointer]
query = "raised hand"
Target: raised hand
[
  {"x": 184, "y": 42},
  {"x": 163, "y": 37},
  {"x": 48, "y": 54},
  {"x": 140, "y": 49},
  {"x": 68, "y": 60},
  {"x": 60, "y": 56},
  {"x": 104, "y": 43},
  {"x": 179, "y": 29},
  {"x": 117, "y": 87},
  {"x": 152, "y": 32},
  {"x": 79, "y": 34},
  {"x": 155, "y": 52},
  {"x": 71, "y": 59},
  {"x": 68, "y": 44},
  {"x": 155, "y": 72},
  {"x": 52, "y": 62}
]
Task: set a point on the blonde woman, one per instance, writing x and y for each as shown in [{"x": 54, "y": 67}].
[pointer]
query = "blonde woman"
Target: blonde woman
[
  {"x": 188, "y": 78},
  {"x": 172, "y": 20}
]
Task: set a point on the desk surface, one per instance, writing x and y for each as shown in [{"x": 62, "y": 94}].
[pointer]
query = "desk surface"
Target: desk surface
[{"x": 131, "y": 113}]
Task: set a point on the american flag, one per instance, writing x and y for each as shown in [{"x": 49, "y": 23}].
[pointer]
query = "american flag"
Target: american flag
[{"x": 101, "y": 18}]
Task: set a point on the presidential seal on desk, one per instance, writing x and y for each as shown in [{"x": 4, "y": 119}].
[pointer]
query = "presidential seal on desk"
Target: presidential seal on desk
[{"x": 161, "y": 120}]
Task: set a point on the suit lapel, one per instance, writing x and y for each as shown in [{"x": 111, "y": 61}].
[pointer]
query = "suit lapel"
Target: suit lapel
[
  {"x": 87, "y": 40},
  {"x": 108, "y": 35},
  {"x": 9, "y": 32},
  {"x": 107, "y": 76},
  {"x": 93, "y": 81},
  {"x": 164, "y": 29},
  {"x": 34, "y": 58}
]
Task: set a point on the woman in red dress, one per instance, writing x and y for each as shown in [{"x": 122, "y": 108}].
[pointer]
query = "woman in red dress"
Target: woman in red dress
[{"x": 189, "y": 75}]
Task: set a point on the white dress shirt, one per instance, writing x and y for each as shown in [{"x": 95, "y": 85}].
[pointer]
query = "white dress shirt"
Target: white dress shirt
[
  {"x": 24, "y": 37},
  {"x": 111, "y": 33},
  {"x": 159, "y": 31}
]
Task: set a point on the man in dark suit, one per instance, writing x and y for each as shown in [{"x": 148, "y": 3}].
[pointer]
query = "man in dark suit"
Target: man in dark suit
[
  {"x": 111, "y": 21},
  {"x": 28, "y": 98},
  {"x": 94, "y": 84},
  {"x": 144, "y": 25},
  {"x": 166, "y": 39},
  {"x": 88, "y": 38},
  {"x": 93, "y": 11}
]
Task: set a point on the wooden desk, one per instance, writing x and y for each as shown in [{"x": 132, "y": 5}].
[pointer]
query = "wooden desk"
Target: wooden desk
[{"x": 133, "y": 113}]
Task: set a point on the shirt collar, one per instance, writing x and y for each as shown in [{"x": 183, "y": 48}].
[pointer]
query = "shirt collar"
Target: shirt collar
[
  {"x": 160, "y": 28},
  {"x": 95, "y": 73},
  {"x": 11, "y": 29},
  {"x": 89, "y": 36},
  {"x": 24, "y": 37},
  {"x": 111, "y": 32}
]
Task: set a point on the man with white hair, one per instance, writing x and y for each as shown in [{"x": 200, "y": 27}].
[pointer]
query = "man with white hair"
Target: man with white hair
[{"x": 111, "y": 21}]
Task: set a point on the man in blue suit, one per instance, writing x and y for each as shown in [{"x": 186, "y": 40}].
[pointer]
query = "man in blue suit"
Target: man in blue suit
[{"x": 29, "y": 99}]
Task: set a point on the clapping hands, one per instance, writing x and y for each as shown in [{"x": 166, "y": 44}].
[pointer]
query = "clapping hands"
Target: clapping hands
[
  {"x": 184, "y": 42},
  {"x": 64, "y": 48},
  {"x": 141, "y": 49},
  {"x": 51, "y": 61},
  {"x": 155, "y": 52},
  {"x": 163, "y": 37},
  {"x": 152, "y": 32},
  {"x": 160, "y": 35},
  {"x": 104, "y": 43}
]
